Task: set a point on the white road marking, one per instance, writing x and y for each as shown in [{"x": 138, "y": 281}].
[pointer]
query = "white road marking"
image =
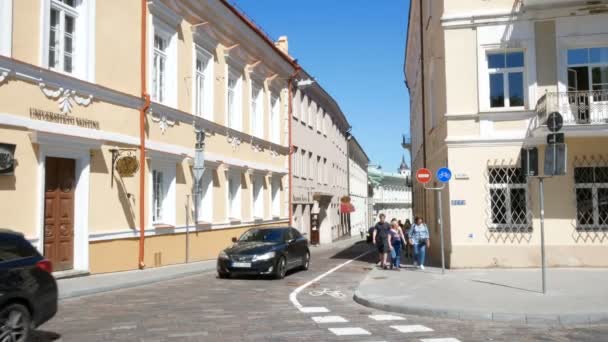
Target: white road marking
[
  {"x": 329, "y": 319},
  {"x": 386, "y": 318},
  {"x": 349, "y": 331},
  {"x": 314, "y": 309},
  {"x": 293, "y": 296},
  {"x": 449, "y": 339},
  {"x": 411, "y": 328}
]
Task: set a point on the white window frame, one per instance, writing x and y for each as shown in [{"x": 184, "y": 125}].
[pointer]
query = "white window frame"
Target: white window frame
[
  {"x": 202, "y": 99},
  {"x": 304, "y": 109},
  {"x": 590, "y": 65},
  {"x": 275, "y": 119},
  {"x": 505, "y": 72},
  {"x": 257, "y": 196},
  {"x": 257, "y": 109},
  {"x": 83, "y": 43},
  {"x": 6, "y": 27},
  {"x": 165, "y": 32},
  {"x": 168, "y": 169},
  {"x": 312, "y": 110},
  {"x": 205, "y": 205},
  {"x": 234, "y": 113},
  {"x": 595, "y": 198},
  {"x": 507, "y": 187},
  {"x": 275, "y": 185},
  {"x": 233, "y": 195}
]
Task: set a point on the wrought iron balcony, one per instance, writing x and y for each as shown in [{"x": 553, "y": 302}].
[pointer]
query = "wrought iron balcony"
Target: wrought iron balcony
[
  {"x": 406, "y": 142},
  {"x": 586, "y": 107}
]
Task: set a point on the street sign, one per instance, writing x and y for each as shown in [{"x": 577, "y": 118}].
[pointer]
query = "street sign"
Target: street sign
[
  {"x": 444, "y": 175},
  {"x": 423, "y": 175},
  {"x": 529, "y": 161},
  {"x": 555, "y": 138},
  {"x": 555, "y": 121},
  {"x": 555, "y": 160}
]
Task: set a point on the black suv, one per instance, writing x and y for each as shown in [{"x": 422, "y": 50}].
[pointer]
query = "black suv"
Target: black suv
[{"x": 28, "y": 291}]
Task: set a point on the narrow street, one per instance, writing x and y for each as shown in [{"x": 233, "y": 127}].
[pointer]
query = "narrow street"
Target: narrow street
[{"x": 205, "y": 308}]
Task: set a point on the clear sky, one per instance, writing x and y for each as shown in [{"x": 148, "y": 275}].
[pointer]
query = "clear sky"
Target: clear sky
[{"x": 355, "y": 50}]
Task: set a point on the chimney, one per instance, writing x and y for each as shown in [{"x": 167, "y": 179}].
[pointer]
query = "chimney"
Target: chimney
[{"x": 282, "y": 44}]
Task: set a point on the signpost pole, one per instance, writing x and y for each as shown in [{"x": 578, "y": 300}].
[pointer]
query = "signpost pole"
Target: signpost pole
[
  {"x": 441, "y": 231},
  {"x": 542, "y": 233}
]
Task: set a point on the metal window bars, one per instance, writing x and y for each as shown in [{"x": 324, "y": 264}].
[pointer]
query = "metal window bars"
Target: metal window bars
[
  {"x": 507, "y": 199},
  {"x": 591, "y": 193}
]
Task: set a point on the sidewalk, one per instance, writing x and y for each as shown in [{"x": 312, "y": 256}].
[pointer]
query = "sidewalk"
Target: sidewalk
[
  {"x": 88, "y": 285},
  {"x": 574, "y": 296}
]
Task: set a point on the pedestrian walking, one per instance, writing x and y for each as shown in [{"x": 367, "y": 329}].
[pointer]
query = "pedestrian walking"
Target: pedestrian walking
[
  {"x": 406, "y": 230},
  {"x": 397, "y": 240},
  {"x": 380, "y": 239},
  {"x": 420, "y": 239}
]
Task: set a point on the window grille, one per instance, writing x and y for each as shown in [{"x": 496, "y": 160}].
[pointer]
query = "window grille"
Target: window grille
[
  {"x": 591, "y": 193},
  {"x": 508, "y": 203}
]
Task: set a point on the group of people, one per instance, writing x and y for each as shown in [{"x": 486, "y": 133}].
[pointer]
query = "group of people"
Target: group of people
[{"x": 391, "y": 239}]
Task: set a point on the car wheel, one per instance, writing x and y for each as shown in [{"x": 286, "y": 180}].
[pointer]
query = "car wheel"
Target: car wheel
[
  {"x": 223, "y": 275},
  {"x": 306, "y": 261},
  {"x": 15, "y": 323},
  {"x": 281, "y": 268}
]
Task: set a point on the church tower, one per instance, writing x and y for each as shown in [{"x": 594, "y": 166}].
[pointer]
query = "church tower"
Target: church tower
[{"x": 403, "y": 168}]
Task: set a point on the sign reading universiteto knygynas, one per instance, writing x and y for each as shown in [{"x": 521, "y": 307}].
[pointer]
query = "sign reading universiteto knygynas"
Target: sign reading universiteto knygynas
[{"x": 7, "y": 159}]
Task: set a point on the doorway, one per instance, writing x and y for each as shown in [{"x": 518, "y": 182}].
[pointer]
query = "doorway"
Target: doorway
[{"x": 59, "y": 189}]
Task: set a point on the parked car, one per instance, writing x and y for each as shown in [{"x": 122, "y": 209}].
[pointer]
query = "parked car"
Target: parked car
[
  {"x": 28, "y": 291},
  {"x": 265, "y": 251}
]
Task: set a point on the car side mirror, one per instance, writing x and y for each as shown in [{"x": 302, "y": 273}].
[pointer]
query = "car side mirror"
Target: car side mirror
[
  {"x": 291, "y": 241},
  {"x": 233, "y": 239}
]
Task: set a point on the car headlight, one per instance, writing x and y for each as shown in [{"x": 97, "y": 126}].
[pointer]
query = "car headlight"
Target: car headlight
[
  {"x": 265, "y": 256},
  {"x": 223, "y": 255}
]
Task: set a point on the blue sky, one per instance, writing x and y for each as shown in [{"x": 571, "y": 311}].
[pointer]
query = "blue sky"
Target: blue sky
[{"x": 355, "y": 50}]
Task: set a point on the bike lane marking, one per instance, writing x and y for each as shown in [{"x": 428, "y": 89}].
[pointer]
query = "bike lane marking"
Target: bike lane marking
[{"x": 293, "y": 296}]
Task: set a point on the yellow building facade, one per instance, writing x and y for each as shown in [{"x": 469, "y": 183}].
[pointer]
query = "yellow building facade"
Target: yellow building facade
[
  {"x": 482, "y": 77},
  {"x": 70, "y": 100}
]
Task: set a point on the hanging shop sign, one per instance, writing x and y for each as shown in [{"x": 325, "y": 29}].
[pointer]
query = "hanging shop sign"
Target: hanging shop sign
[
  {"x": 64, "y": 119},
  {"x": 127, "y": 166},
  {"x": 7, "y": 159}
]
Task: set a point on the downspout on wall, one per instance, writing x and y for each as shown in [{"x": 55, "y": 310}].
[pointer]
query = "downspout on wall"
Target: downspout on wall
[
  {"x": 142, "y": 134},
  {"x": 423, "y": 105}
]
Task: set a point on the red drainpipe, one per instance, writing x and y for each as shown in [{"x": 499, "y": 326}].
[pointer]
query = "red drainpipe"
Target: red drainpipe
[{"x": 142, "y": 135}]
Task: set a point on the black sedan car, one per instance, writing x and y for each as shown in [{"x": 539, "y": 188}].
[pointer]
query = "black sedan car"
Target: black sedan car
[
  {"x": 265, "y": 251},
  {"x": 28, "y": 291}
]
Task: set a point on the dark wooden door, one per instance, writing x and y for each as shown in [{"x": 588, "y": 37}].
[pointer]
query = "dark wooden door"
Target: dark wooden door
[
  {"x": 59, "y": 212},
  {"x": 314, "y": 229}
]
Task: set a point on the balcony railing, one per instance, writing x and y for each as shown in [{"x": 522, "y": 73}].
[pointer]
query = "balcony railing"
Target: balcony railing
[{"x": 586, "y": 107}]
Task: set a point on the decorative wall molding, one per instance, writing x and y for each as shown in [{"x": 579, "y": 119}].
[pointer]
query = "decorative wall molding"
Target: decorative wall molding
[
  {"x": 65, "y": 97},
  {"x": 163, "y": 121},
  {"x": 233, "y": 140},
  {"x": 256, "y": 146}
]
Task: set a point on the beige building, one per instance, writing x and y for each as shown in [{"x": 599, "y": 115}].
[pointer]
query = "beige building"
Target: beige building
[
  {"x": 358, "y": 191},
  {"x": 72, "y": 87},
  {"x": 319, "y": 162},
  {"x": 482, "y": 77}
]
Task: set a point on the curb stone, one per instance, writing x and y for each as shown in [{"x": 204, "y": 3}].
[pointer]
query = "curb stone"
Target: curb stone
[
  {"x": 522, "y": 318},
  {"x": 135, "y": 283}
]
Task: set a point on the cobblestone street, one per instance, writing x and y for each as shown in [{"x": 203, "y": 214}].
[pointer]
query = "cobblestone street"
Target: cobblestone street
[{"x": 204, "y": 308}]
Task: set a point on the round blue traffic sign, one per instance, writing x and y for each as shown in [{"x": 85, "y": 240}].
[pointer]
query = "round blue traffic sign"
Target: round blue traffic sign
[{"x": 444, "y": 174}]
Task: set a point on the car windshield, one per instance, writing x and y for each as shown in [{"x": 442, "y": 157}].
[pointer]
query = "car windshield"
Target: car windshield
[{"x": 265, "y": 235}]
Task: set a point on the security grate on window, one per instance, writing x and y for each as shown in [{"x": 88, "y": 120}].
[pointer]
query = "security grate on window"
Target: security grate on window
[
  {"x": 507, "y": 200},
  {"x": 591, "y": 192}
]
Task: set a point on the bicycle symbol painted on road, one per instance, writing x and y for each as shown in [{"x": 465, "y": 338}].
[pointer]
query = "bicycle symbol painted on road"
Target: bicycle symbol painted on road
[{"x": 332, "y": 293}]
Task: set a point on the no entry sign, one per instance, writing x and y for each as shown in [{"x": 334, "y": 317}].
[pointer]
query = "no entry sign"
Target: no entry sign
[{"x": 423, "y": 175}]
